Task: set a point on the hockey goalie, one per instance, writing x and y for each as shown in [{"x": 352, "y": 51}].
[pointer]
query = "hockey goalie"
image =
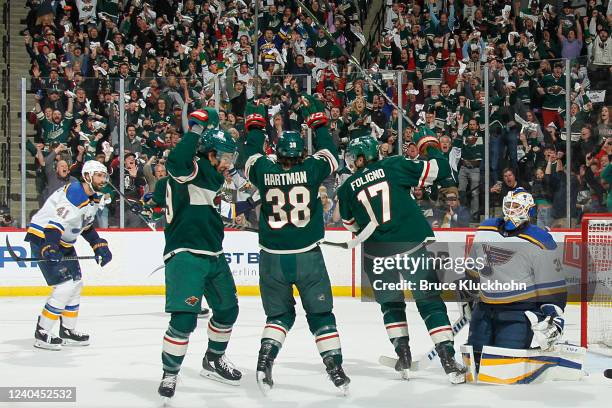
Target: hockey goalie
[{"x": 517, "y": 323}]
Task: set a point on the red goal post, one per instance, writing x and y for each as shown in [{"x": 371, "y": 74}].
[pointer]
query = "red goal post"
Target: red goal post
[{"x": 596, "y": 280}]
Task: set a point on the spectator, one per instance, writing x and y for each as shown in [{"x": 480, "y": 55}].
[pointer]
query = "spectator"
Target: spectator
[
  {"x": 57, "y": 171},
  {"x": 558, "y": 187},
  {"x": 604, "y": 124},
  {"x": 451, "y": 214},
  {"x": 601, "y": 50},
  {"x": 540, "y": 189},
  {"x": 425, "y": 204},
  {"x": 470, "y": 142},
  {"x": 134, "y": 184},
  {"x": 5, "y": 217}
]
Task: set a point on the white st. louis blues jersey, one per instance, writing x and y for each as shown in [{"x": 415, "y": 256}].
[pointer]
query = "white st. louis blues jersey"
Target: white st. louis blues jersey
[
  {"x": 69, "y": 210},
  {"x": 523, "y": 267}
]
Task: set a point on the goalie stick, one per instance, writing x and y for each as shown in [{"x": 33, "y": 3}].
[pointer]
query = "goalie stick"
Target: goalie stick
[
  {"x": 17, "y": 258},
  {"x": 424, "y": 361},
  {"x": 353, "y": 61}
]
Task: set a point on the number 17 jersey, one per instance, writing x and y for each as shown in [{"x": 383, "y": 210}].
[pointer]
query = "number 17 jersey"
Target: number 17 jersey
[
  {"x": 291, "y": 217},
  {"x": 381, "y": 193}
]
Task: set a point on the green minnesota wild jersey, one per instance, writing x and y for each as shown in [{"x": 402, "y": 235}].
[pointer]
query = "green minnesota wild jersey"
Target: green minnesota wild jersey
[
  {"x": 554, "y": 98},
  {"x": 380, "y": 192},
  {"x": 291, "y": 217},
  {"x": 188, "y": 193},
  {"x": 55, "y": 132}
]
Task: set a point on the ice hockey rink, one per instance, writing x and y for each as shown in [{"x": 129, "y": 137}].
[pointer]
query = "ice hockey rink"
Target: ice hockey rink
[{"x": 122, "y": 368}]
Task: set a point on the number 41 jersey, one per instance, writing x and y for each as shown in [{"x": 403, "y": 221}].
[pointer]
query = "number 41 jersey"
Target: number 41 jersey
[{"x": 291, "y": 218}]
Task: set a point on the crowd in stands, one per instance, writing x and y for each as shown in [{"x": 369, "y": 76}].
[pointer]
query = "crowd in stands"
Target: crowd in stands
[{"x": 176, "y": 56}]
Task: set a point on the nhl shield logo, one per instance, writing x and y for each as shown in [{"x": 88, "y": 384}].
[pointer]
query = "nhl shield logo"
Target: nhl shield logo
[{"x": 191, "y": 301}]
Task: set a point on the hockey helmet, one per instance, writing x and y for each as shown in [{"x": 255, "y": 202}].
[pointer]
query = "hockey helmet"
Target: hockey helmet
[
  {"x": 217, "y": 140},
  {"x": 290, "y": 144},
  {"x": 91, "y": 167},
  {"x": 518, "y": 206},
  {"x": 365, "y": 146}
]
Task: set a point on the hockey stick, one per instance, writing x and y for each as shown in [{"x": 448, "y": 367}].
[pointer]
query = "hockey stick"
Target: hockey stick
[
  {"x": 227, "y": 223},
  {"x": 17, "y": 258},
  {"x": 134, "y": 208},
  {"x": 352, "y": 60},
  {"x": 424, "y": 361}
]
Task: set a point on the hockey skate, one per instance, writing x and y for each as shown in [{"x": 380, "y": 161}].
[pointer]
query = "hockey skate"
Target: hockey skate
[
  {"x": 454, "y": 370},
  {"x": 404, "y": 357},
  {"x": 167, "y": 386},
  {"x": 45, "y": 340},
  {"x": 72, "y": 337},
  {"x": 217, "y": 367},
  {"x": 264, "y": 369},
  {"x": 337, "y": 375}
]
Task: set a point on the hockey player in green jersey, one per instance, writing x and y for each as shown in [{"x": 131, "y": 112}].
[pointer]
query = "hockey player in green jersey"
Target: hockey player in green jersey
[
  {"x": 290, "y": 229},
  {"x": 195, "y": 264},
  {"x": 375, "y": 203}
]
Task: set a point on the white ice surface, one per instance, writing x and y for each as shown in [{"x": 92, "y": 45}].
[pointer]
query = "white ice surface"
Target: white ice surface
[{"x": 122, "y": 368}]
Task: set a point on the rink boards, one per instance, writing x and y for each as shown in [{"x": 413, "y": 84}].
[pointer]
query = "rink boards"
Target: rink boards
[{"x": 137, "y": 253}]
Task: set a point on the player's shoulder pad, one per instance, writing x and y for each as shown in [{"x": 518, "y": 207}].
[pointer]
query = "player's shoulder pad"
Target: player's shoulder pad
[
  {"x": 490, "y": 224},
  {"x": 539, "y": 236},
  {"x": 75, "y": 194}
]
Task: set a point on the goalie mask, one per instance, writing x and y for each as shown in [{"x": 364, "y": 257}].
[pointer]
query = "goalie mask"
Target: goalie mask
[{"x": 518, "y": 207}]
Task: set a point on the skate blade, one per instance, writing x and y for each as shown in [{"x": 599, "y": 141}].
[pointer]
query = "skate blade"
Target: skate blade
[
  {"x": 216, "y": 377},
  {"x": 344, "y": 389},
  {"x": 405, "y": 374},
  {"x": 72, "y": 343},
  {"x": 166, "y": 401},
  {"x": 456, "y": 378},
  {"x": 46, "y": 346},
  {"x": 263, "y": 387}
]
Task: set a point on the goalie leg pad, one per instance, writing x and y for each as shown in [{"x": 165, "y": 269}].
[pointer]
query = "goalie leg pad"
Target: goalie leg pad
[{"x": 525, "y": 366}]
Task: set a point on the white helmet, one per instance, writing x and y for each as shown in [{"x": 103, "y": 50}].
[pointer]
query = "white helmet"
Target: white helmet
[
  {"x": 90, "y": 167},
  {"x": 518, "y": 206}
]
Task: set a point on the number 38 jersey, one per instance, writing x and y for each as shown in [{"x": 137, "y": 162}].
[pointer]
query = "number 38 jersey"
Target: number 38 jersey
[
  {"x": 380, "y": 192},
  {"x": 291, "y": 218}
]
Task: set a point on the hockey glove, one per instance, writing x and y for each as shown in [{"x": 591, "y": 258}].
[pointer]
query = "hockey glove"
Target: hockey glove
[
  {"x": 150, "y": 210},
  {"x": 255, "y": 117},
  {"x": 103, "y": 254},
  {"x": 547, "y": 326},
  {"x": 314, "y": 112},
  {"x": 51, "y": 252},
  {"x": 426, "y": 141}
]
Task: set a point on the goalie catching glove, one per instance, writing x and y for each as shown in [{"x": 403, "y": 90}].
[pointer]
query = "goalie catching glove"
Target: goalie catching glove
[
  {"x": 255, "y": 116},
  {"x": 314, "y": 112},
  {"x": 547, "y": 326}
]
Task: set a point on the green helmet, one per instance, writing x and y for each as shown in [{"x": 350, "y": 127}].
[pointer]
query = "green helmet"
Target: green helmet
[
  {"x": 365, "y": 146},
  {"x": 217, "y": 140},
  {"x": 290, "y": 144}
]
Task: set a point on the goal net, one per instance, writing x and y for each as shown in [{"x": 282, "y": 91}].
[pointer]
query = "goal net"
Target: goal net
[{"x": 596, "y": 281}]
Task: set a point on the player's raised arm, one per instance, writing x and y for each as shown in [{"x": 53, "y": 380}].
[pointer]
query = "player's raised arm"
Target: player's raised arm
[
  {"x": 255, "y": 124},
  {"x": 425, "y": 172},
  {"x": 181, "y": 164},
  {"x": 316, "y": 119}
]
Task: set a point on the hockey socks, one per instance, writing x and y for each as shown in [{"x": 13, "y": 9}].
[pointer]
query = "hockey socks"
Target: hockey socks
[
  {"x": 174, "y": 350},
  {"x": 433, "y": 312},
  {"x": 218, "y": 336},
  {"x": 323, "y": 327}
]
